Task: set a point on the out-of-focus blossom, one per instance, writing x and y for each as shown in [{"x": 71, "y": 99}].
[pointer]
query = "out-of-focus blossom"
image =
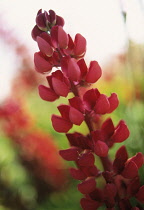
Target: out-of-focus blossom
[{"x": 37, "y": 148}]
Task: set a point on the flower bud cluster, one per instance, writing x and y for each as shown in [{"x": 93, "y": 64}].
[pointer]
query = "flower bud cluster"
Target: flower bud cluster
[{"x": 120, "y": 177}]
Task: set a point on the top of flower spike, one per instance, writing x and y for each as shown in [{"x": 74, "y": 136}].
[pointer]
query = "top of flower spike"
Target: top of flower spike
[{"x": 44, "y": 21}]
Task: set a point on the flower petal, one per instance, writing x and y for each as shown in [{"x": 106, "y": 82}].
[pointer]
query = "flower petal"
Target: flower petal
[
  {"x": 62, "y": 38},
  {"x": 122, "y": 153},
  {"x": 133, "y": 186},
  {"x": 70, "y": 154},
  {"x": 88, "y": 204},
  {"x": 86, "y": 159},
  {"x": 73, "y": 70},
  {"x": 94, "y": 72},
  {"x": 59, "y": 21},
  {"x": 90, "y": 98},
  {"x": 41, "y": 64},
  {"x": 80, "y": 45},
  {"x": 52, "y": 16},
  {"x": 102, "y": 105},
  {"x": 35, "y": 32},
  {"x": 120, "y": 159},
  {"x": 77, "y": 174},
  {"x": 140, "y": 194},
  {"x": 41, "y": 21},
  {"x": 54, "y": 36},
  {"x": 60, "y": 87},
  {"x": 130, "y": 171},
  {"x": 61, "y": 125},
  {"x": 114, "y": 102},
  {"x": 75, "y": 116},
  {"x": 121, "y": 133},
  {"x": 77, "y": 103},
  {"x": 107, "y": 128},
  {"x": 100, "y": 148},
  {"x": 44, "y": 46},
  {"x": 138, "y": 159},
  {"x": 87, "y": 186},
  {"x": 64, "y": 110},
  {"x": 47, "y": 94},
  {"x": 83, "y": 67}
]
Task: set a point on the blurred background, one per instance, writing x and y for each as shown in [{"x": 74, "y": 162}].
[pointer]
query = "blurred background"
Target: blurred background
[{"x": 32, "y": 175}]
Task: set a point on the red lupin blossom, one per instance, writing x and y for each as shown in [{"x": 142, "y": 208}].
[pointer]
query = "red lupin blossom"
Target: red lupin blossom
[{"x": 121, "y": 182}]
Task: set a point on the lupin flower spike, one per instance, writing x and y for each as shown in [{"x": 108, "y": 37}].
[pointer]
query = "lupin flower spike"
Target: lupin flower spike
[{"x": 121, "y": 178}]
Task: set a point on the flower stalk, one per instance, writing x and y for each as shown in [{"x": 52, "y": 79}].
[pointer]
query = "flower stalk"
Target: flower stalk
[{"x": 120, "y": 176}]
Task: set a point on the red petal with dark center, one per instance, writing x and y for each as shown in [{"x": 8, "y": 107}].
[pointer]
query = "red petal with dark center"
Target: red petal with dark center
[
  {"x": 62, "y": 38},
  {"x": 47, "y": 94},
  {"x": 44, "y": 46},
  {"x": 73, "y": 70},
  {"x": 130, "y": 171},
  {"x": 70, "y": 154},
  {"x": 60, "y": 87},
  {"x": 77, "y": 174},
  {"x": 121, "y": 133},
  {"x": 41, "y": 64},
  {"x": 114, "y": 102},
  {"x": 102, "y": 105},
  {"x": 101, "y": 149},
  {"x": 75, "y": 116},
  {"x": 87, "y": 186},
  {"x": 94, "y": 72},
  {"x": 61, "y": 125},
  {"x": 80, "y": 45}
]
